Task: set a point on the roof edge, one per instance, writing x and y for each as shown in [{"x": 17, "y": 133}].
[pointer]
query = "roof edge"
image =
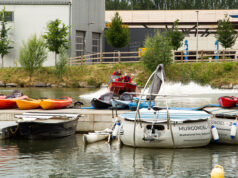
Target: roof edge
[{"x": 35, "y": 2}]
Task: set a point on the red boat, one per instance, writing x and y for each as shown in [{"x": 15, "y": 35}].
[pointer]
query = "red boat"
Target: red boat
[
  {"x": 227, "y": 101},
  {"x": 118, "y": 88},
  {"x": 9, "y": 103}
]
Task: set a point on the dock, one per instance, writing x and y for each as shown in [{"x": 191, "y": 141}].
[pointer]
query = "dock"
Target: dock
[{"x": 90, "y": 121}]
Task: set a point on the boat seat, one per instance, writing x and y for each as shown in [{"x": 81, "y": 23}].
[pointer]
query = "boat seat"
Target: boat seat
[{"x": 156, "y": 108}]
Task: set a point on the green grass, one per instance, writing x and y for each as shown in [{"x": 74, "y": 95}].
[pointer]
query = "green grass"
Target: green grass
[{"x": 215, "y": 74}]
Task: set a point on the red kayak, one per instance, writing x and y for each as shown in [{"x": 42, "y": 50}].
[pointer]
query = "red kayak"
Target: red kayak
[
  {"x": 227, "y": 101},
  {"x": 10, "y": 102}
]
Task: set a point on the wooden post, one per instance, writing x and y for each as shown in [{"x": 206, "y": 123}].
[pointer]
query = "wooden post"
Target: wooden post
[
  {"x": 81, "y": 60},
  {"x": 202, "y": 55},
  {"x": 223, "y": 56},
  {"x": 181, "y": 56},
  {"x": 101, "y": 57},
  {"x": 119, "y": 56}
]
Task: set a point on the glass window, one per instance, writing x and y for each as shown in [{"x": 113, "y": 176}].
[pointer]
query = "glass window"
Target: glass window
[
  {"x": 79, "y": 43},
  {"x": 9, "y": 16},
  {"x": 96, "y": 42}
]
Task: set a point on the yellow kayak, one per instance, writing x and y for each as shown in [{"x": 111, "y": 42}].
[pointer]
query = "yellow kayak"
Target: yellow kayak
[{"x": 28, "y": 103}]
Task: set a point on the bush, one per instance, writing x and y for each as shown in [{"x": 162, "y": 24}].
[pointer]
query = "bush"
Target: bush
[
  {"x": 61, "y": 64},
  {"x": 32, "y": 54},
  {"x": 158, "y": 51}
]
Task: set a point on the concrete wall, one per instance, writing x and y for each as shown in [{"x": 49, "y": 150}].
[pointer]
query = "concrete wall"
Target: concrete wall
[
  {"x": 83, "y": 15},
  {"x": 88, "y": 16},
  {"x": 29, "y": 20}
]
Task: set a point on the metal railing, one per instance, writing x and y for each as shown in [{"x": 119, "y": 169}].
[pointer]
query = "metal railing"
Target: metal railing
[{"x": 132, "y": 57}]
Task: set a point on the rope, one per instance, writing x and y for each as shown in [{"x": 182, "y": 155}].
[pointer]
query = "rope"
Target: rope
[{"x": 13, "y": 132}]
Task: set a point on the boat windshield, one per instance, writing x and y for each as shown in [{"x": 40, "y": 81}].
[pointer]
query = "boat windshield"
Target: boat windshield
[{"x": 114, "y": 77}]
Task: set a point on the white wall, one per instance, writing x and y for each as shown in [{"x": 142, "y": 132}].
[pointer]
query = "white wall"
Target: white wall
[{"x": 29, "y": 20}]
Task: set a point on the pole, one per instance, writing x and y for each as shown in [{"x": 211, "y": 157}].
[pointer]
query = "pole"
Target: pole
[{"x": 197, "y": 38}]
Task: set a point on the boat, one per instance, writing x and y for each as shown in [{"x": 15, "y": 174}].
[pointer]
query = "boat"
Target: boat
[
  {"x": 227, "y": 101},
  {"x": 9, "y": 103},
  {"x": 225, "y": 122},
  {"x": 46, "y": 125},
  {"x": 123, "y": 101},
  {"x": 103, "y": 102},
  {"x": 96, "y": 136},
  {"x": 165, "y": 129},
  {"x": 8, "y": 129},
  {"x": 117, "y": 88},
  {"x": 143, "y": 104},
  {"x": 60, "y": 103},
  {"x": 28, "y": 103}
]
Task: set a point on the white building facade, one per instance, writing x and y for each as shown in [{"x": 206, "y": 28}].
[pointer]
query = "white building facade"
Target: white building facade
[{"x": 28, "y": 17}]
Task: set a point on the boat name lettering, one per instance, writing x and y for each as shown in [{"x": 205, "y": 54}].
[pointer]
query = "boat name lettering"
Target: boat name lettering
[{"x": 202, "y": 127}]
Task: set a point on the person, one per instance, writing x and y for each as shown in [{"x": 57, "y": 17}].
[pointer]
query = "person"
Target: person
[
  {"x": 117, "y": 73},
  {"x": 119, "y": 79},
  {"x": 127, "y": 78}
]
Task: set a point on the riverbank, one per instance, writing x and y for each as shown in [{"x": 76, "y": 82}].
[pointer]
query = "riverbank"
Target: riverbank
[{"x": 218, "y": 75}]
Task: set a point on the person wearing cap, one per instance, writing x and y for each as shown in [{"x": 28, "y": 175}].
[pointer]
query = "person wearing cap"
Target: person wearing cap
[{"x": 127, "y": 78}]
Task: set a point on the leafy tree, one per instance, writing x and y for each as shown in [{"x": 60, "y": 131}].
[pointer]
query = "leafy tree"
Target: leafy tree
[
  {"x": 56, "y": 36},
  {"x": 117, "y": 35},
  {"x": 32, "y": 54},
  {"x": 158, "y": 51},
  {"x": 4, "y": 40},
  {"x": 226, "y": 34},
  {"x": 61, "y": 64},
  {"x": 176, "y": 37}
]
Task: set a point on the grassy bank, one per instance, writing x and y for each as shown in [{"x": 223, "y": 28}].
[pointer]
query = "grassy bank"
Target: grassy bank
[{"x": 215, "y": 74}]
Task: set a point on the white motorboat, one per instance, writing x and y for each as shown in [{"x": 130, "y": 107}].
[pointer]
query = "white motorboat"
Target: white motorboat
[
  {"x": 165, "y": 129},
  {"x": 225, "y": 121}
]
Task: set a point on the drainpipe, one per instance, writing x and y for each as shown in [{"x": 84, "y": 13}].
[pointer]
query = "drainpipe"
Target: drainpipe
[{"x": 70, "y": 23}]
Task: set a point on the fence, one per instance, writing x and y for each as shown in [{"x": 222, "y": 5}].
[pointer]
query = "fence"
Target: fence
[
  {"x": 106, "y": 58},
  {"x": 178, "y": 57}
]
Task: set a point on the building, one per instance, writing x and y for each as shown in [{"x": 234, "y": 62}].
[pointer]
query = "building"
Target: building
[
  {"x": 85, "y": 17},
  {"x": 199, "y": 26}
]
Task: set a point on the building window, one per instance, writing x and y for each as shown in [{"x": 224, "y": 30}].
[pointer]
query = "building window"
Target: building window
[
  {"x": 80, "y": 43},
  {"x": 96, "y": 43},
  {"x": 8, "y": 16}
]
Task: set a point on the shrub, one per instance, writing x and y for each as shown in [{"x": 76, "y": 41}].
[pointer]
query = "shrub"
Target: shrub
[
  {"x": 61, "y": 64},
  {"x": 32, "y": 54}
]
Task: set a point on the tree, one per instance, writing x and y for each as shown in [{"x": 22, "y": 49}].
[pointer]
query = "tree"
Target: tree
[
  {"x": 117, "y": 35},
  {"x": 56, "y": 36},
  {"x": 32, "y": 54},
  {"x": 158, "y": 51},
  {"x": 176, "y": 37},
  {"x": 61, "y": 64},
  {"x": 4, "y": 40},
  {"x": 226, "y": 34}
]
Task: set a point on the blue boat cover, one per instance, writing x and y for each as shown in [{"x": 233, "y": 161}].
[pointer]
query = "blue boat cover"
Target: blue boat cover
[{"x": 161, "y": 116}]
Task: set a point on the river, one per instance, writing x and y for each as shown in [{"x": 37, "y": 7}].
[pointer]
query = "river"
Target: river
[{"x": 68, "y": 157}]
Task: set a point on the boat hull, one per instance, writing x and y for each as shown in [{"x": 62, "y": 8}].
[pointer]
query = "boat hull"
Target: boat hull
[
  {"x": 198, "y": 136},
  {"x": 120, "y": 87},
  {"x": 183, "y": 129},
  {"x": 55, "y": 103},
  {"x": 47, "y": 130},
  {"x": 223, "y": 126},
  {"x": 10, "y": 103},
  {"x": 28, "y": 104},
  {"x": 100, "y": 104},
  {"x": 227, "y": 101}
]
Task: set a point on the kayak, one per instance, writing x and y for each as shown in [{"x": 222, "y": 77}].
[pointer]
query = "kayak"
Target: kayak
[
  {"x": 28, "y": 103},
  {"x": 60, "y": 103},
  {"x": 9, "y": 103},
  {"x": 227, "y": 101}
]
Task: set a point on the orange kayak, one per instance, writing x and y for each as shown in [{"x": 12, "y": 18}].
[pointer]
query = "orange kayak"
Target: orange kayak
[
  {"x": 28, "y": 103},
  {"x": 10, "y": 102},
  {"x": 56, "y": 103}
]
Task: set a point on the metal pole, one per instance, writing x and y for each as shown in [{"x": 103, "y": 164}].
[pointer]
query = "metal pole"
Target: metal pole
[{"x": 197, "y": 38}]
